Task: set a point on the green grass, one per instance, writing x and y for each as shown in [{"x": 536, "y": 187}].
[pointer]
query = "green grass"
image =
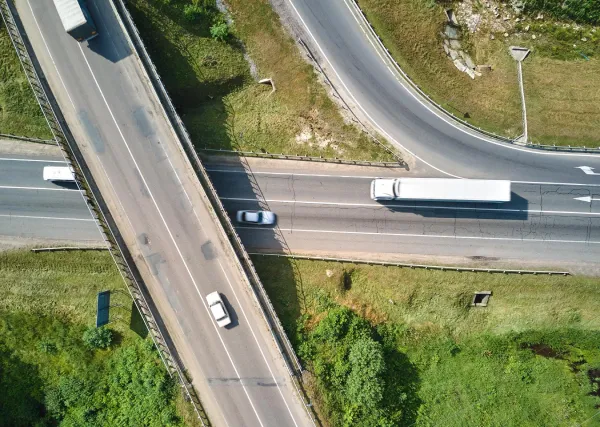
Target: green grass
[
  {"x": 464, "y": 365},
  {"x": 561, "y": 87},
  {"x": 20, "y": 113},
  {"x": 48, "y": 375},
  {"x": 221, "y": 104}
]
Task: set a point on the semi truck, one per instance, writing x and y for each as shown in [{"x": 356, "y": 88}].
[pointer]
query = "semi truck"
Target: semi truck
[
  {"x": 441, "y": 189},
  {"x": 76, "y": 19}
]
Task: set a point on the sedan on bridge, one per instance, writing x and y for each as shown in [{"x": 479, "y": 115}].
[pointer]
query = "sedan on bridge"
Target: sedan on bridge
[
  {"x": 256, "y": 217},
  {"x": 217, "y": 309}
]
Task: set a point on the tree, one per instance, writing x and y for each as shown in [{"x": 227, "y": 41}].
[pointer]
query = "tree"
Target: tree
[
  {"x": 98, "y": 337},
  {"x": 219, "y": 30},
  {"x": 365, "y": 382}
]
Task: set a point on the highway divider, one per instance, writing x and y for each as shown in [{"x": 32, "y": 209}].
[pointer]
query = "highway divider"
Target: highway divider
[
  {"x": 220, "y": 215},
  {"x": 96, "y": 204},
  {"x": 298, "y": 157},
  {"x": 423, "y": 266},
  {"x": 27, "y": 138}
]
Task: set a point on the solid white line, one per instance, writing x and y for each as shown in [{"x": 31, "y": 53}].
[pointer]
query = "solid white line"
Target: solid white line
[
  {"x": 575, "y": 184},
  {"x": 256, "y": 339},
  {"x": 358, "y": 103},
  {"x": 426, "y": 103},
  {"x": 50, "y": 55},
  {"x": 380, "y": 206},
  {"x": 434, "y": 236},
  {"x": 11, "y": 187},
  {"x": 31, "y": 160},
  {"x": 46, "y": 217},
  {"x": 170, "y": 233}
]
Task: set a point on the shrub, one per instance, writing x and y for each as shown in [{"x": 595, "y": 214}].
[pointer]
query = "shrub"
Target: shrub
[
  {"x": 98, "y": 337},
  {"x": 583, "y": 11},
  {"x": 219, "y": 30}
]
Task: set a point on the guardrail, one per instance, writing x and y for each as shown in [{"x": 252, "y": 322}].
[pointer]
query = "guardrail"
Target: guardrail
[
  {"x": 416, "y": 87},
  {"x": 71, "y": 248},
  {"x": 220, "y": 215},
  {"x": 94, "y": 200},
  {"x": 28, "y": 138},
  {"x": 422, "y": 266},
  {"x": 299, "y": 157}
]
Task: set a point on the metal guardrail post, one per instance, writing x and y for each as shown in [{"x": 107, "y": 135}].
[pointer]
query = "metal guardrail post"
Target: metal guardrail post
[{"x": 93, "y": 198}]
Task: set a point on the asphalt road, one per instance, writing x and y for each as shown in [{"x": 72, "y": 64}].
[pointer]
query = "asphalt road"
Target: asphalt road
[
  {"x": 33, "y": 208},
  {"x": 164, "y": 217},
  {"x": 366, "y": 80},
  {"x": 320, "y": 211}
]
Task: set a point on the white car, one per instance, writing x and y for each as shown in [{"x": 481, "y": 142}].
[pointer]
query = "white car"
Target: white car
[
  {"x": 256, "y": 217},
  {"x": 217, "y": 308}
]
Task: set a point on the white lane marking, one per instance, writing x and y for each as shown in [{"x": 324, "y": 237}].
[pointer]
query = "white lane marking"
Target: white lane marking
[
  {"x": 47, "y": 217},
  {"x": 170, "y": 234},
  {"x": 50, "y": 55},
  {"x": 256, "y": 339},
  {"x": 433, "y": 236},
  {"x": 12, "y": 187},
  {"x": 588, "y": 170},
  {"x": 358, "y": 103},
  {"x": 451, "y": 208},
  {"x": 30, "y": 160},
  {"x": 588, "y": 199},
  {"x": 575, "y": 184},
  {"x": 442, "y": 115}
]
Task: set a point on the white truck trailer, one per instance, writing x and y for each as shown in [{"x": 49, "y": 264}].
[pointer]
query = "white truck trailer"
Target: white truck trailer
[
  {"x": 441, "y": 189},
  {"x": 76, "y": 19}
]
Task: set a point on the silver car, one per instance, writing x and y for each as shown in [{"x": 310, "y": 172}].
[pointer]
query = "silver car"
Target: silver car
[
  {"x": 256, "y": 217},
  {"x": 217, "y": 308}
]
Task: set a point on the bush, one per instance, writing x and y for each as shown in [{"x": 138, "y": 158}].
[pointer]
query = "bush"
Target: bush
[
  {"x": 582, "y": 11},
  {"x": 98, "y": 337},
  {"x": 219, "y": 30}
]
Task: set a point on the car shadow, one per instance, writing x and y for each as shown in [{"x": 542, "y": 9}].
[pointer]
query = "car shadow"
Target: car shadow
[{"x": 232, "y": 313}]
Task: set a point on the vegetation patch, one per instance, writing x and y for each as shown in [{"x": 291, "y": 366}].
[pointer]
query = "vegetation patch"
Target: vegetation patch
[
  {"x": 56, "y": 368},
  {"x": 202, "y": 62},
  {"x": 20, "y": 113},
  {"x": 562, "y": 75},
  {"x": 530, "y": 357}
]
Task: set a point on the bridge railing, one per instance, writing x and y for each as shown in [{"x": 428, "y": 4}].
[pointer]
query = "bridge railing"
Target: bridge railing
[
  {"x": 223, "y": 221},
  {"x": 95, "y": 203}
]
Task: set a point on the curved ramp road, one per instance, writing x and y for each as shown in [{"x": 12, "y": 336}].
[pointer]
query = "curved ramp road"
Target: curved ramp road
[
  {"x": 361, "y": 70},
  {"x": 164, "y": 217}
]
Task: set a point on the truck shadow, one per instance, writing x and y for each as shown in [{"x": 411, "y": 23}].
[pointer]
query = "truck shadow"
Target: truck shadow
[{"x": 516, "y": 209}]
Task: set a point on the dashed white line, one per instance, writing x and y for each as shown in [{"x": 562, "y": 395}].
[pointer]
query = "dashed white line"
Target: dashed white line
[{"x": 381, "y": 206}]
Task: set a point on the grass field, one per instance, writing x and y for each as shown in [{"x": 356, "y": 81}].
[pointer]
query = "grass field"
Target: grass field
[
  {"x": 530, "y": 358},
  {"x": 48, "y": 301},
  {"x": 19, "y": 112},
  {"x": 563, "y": 96},
  {"x": 219, "y": 100}
]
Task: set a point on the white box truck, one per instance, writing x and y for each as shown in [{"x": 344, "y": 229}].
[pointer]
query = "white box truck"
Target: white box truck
[
  {"x": 76, "y": 19},
  {"x": 441, "y": 189},
  {"x": 58, "y": 173}
]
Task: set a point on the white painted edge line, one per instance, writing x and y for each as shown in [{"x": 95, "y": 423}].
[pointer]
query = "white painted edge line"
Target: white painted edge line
[
  {"x": 47, "y": 217},
  {"x": 431, "y": 236},
  {"x": 387, "y": 135},
  {"x": 11, "y": 187},
  {"x": 380, "y": 206},
  {"x": 170, "y": 234},
  {"x": 31, "y": 160},
  {"x": 426, "y": 103},
  {"x": 575, "y": 184}
]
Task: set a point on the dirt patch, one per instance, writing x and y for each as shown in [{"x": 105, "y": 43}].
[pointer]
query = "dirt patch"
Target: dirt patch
[{"x": 544, "y": 351}]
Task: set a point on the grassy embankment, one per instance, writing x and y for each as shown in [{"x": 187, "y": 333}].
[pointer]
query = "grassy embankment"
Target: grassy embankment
[
  {"x": 19, "y": 111},
  {"x": 220, "y": 102},
  {"x": 530, "y": 358},
  {"x": 562, "y": 88},
  {"x": 48, "y": 375}
]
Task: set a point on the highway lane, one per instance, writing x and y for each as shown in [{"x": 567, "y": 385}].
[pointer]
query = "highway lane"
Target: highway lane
[
  {"x": 164, "y": 217},
  {"x": 359, "y": 71},
  {"x": 333, "y": 213},
  {"x": 33, "y": 208}
]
